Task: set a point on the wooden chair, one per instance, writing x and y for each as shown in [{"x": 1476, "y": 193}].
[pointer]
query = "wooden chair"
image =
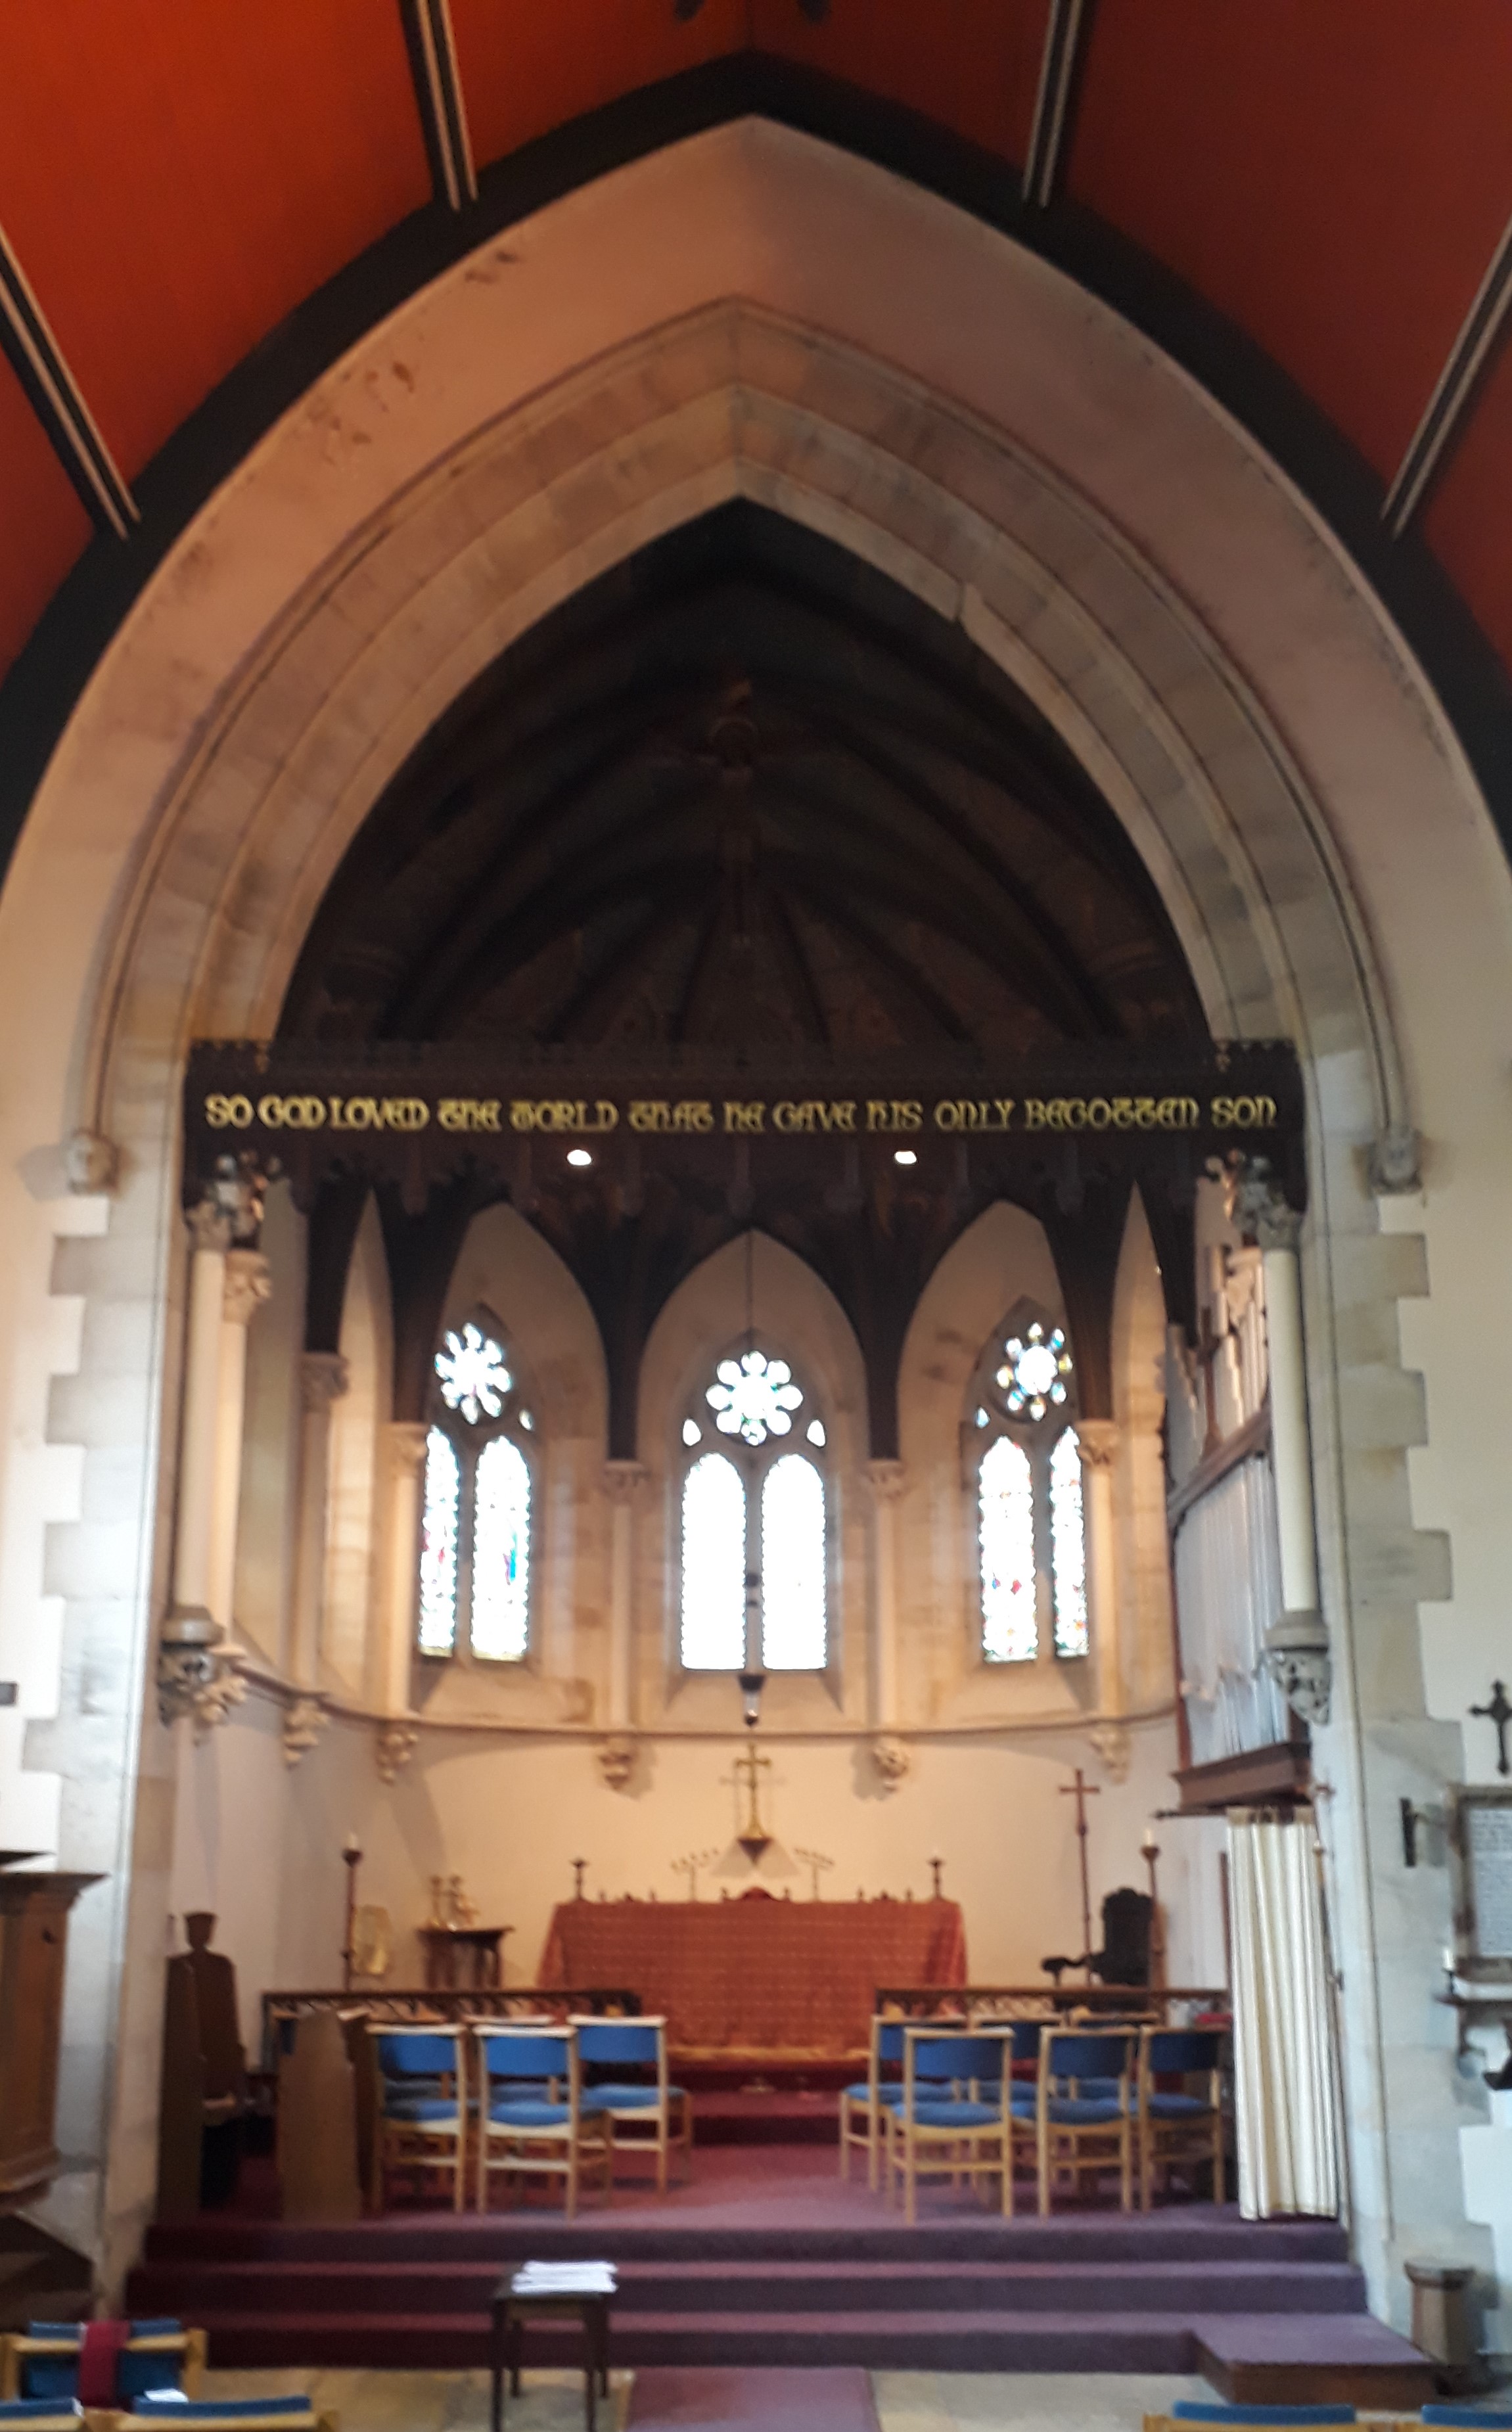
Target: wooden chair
[
  {"x": 1205, "y": 2415},
  {"x": 951, "y": 2116},
  {"x": 42, "y": 2361},
  {"x": 608, "y": 2044},
  {"x": 533, "y": 2119},
  {"x": 1083, "y": 2112},
  {"x": 291, "y": 2414},
  {"x": 869, "y": 2096},
  {"x": 1180, "y": 2126},
  {"x": 421, "y": 2119}
]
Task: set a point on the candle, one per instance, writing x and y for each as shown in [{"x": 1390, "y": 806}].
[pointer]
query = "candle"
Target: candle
[
  {"x": 1449, "y": 1960},
  {"x": 1149, "y": 1841},
  {"x": 352, "y": 1846}
]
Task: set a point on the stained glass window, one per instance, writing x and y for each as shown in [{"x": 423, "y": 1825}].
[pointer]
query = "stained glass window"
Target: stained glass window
[
  {"x": 1005, "y": 1503},
  {"x": 1067, "y": 1547},
  {"x": 793, "y": 1567},
  {"x": 438, "y": 1545},
  {"x": 1036, "y": 1365},
  {"x": 474, "y": 1378},
  {"x": 501, "y": 1552},
  {"x": 474, "y": 1545},
  {"x": 713, "y": 1565},
  {"x": 754, "y": 1397}
]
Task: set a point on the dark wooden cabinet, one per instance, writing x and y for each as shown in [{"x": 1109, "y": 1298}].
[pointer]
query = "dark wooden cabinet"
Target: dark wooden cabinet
[{"x": 33, "y": 1948}]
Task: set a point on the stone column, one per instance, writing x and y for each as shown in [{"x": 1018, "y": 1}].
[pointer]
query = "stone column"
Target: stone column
[
  {"x": 623, "y": 1480},
  {"x": 195, "y": 1511},
  {"x": 246, "y": 1287},
  {"x": 1296, "y": 1649},
  {"x": 887, "y": 1480},
  {"x": 403, "y": 1469},
  {"x": 1097, "y": 1443},
  {"x": 323, "y": 1380}
]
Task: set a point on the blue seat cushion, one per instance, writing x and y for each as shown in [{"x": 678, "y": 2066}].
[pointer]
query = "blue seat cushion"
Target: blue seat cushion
[
  {"x": 1076, "y": 2111},
  {"x": 28, "y": 2411},
  {"x": 73, "y": 2332},
  {"x": 1179, "y": 2106},
  {"x": 423, "y": 2109},
  {"x": 513, "y": 2113},
  {"x": 1472, "y": 2417},
  {"x": 630, "y": 2097},
  {"x": 1210, "y": 2410},
  {"x": 50, "y": 2378},
  {"x": 157, "y": 2326},
  {"x": 218, "y": 2410},
  {"x": 953, "y": 2115}
]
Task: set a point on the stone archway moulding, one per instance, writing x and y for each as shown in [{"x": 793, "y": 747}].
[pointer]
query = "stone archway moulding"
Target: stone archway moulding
[{"x": 750, "y": 314}]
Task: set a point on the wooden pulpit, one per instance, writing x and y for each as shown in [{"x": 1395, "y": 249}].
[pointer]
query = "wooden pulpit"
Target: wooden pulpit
[{"x": 33, "y": 1948}]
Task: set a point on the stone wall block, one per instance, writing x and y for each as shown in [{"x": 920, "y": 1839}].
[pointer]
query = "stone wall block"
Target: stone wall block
[{"x": 1381, "y": 1408}]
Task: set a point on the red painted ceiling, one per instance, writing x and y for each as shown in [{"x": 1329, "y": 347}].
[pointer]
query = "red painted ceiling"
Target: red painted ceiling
[{"x": 176, "y": 176}]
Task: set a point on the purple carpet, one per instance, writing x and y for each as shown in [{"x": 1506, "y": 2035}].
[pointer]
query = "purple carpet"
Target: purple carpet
[{"x": 827, "y": 2399}]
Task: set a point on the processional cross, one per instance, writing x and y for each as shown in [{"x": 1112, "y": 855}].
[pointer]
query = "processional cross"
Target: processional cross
[
  {"x": 1499, "y": 1712},
  {"x": 1082, "y": 1791}
]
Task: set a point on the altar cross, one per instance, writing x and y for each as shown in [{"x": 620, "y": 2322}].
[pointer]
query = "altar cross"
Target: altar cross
[
  {"x": 748, "y": 1770},
  {"x": 1499, "y": 1712},
  {"x": 1081, "y": 1790}
]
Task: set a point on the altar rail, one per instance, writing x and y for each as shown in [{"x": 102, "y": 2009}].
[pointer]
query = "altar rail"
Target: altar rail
[
  {"x": 438, "y": 2008},
  {"x": 1043, "y": 2001}
]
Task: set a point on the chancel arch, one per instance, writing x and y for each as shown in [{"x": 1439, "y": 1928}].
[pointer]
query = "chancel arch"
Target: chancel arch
[{"x": 958, "y": 424}]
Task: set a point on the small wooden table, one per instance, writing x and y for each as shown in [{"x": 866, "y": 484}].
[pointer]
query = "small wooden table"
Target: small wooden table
[
  {"x": 508, "y": 2316},
  {"x": 462, "y": 1958}
]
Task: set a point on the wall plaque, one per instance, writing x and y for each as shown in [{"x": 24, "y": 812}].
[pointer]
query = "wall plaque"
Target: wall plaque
[{"x": 1481, "y": 1855}]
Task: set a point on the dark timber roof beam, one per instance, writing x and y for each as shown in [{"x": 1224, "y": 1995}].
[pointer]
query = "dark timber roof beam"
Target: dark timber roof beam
[
  {"x": 439, "y": 97},
  {"x": 1433, "y": 441},
  {"x": 1066, "y": 32},
  {"x": 59, "y": 402}
]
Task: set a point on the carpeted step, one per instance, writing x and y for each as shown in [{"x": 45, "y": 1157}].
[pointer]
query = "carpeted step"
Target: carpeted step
[
  {"x": 976, "y": 2341},
  {"x": 1193, "y": 2235},
  {"x": 342, "y": 2289},
  {"x": 1265, "y": 2360}
]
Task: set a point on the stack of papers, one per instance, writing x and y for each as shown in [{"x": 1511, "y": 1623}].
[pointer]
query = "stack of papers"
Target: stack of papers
[{"x": 564, "y": 2280}]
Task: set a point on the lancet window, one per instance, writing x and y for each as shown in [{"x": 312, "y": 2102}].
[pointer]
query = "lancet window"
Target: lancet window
[
  {"x": 1031, "y": 1553},
  {"x": 477, "y": 1513},
  {"x": 753, "y": 1521}
]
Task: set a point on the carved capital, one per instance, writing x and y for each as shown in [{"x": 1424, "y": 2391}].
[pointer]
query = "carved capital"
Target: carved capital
[
  {"x": 1259, "y": 1205},
  {"x": 1299, "y": 1660},
  {"x": 303, "y": 1723},
  {"x": 887, "y": 1479},
  {"x": 324, "y": 1377},
  {"x": 893, "y": 1759},
  {"x": 1097, "y": 1440},
  {"x": 1395, "y": 1161},
  {"x": 196, "y": 1670},
  {"x": 91, "y": 1163},
  {"x": 623, "y": 1480},
  {"x": 248, "y": 1284},
  {"x": 1113, "y": 1747},
  {"x": 209, "y": 1225},
  {"x": 393, "y": 1747},
  {"x": 407, "y": 1446},
  {"x": 616, "y": 1759}
]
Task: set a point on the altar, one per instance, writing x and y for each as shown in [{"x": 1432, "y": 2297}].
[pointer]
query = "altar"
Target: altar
[{"x": 776, "y": 1979}]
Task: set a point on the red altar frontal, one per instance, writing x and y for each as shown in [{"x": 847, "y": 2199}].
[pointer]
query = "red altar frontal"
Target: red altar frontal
[{"x": 777, "y": 1978}]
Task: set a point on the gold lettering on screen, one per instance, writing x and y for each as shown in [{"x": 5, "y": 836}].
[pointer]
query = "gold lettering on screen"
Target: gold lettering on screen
[{"x": 805, "y": 1118}]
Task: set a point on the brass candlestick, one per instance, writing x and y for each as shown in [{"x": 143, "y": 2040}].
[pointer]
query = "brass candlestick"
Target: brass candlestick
[{"x": 352, "y": 1859}]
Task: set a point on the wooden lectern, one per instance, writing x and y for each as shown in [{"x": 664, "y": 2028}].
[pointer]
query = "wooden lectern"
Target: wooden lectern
[{"x": 33, "y": 1948}]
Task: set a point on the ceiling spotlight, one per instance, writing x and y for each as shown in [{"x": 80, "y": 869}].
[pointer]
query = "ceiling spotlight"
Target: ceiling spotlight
[
  {"x": 580, "y": 1157},
  {"x": 904, "y": 1156}
]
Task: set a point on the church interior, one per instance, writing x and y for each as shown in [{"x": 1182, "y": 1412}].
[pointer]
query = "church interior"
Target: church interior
[{"x": 755, "y": 927}]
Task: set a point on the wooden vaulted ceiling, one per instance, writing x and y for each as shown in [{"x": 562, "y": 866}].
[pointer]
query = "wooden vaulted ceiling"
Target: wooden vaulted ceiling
[
  {"x": 743, "y": 793},
  {"x": 202, "y": 200}
]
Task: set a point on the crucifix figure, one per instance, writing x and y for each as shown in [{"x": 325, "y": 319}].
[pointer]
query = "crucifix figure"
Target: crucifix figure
[
  {"x": 748, "y": 1770},
  {"x": 1499, "y": 1712},
  {"x": 1081, "y": 1790}
]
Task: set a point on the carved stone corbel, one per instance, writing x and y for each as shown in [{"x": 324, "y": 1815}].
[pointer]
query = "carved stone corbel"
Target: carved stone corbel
[
  {"x": 393, "y": 1747},
  {"x": 615, "y": 1758},
  {"x": 1395, "y": 1163},
  {"x": 1113, "y": 1747},
  {"x": 198, "y": 1673},
  {"x": 91, "y": 1163},
  {"x": 893, "y": 1759},
  {"x": 303, "y": 1723},
  {"x": 1299, "y": 1661}
]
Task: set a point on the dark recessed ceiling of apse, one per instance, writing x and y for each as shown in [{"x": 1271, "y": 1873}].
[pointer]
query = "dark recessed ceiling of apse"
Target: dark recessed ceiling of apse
[{"x": 746, "y": 793}]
